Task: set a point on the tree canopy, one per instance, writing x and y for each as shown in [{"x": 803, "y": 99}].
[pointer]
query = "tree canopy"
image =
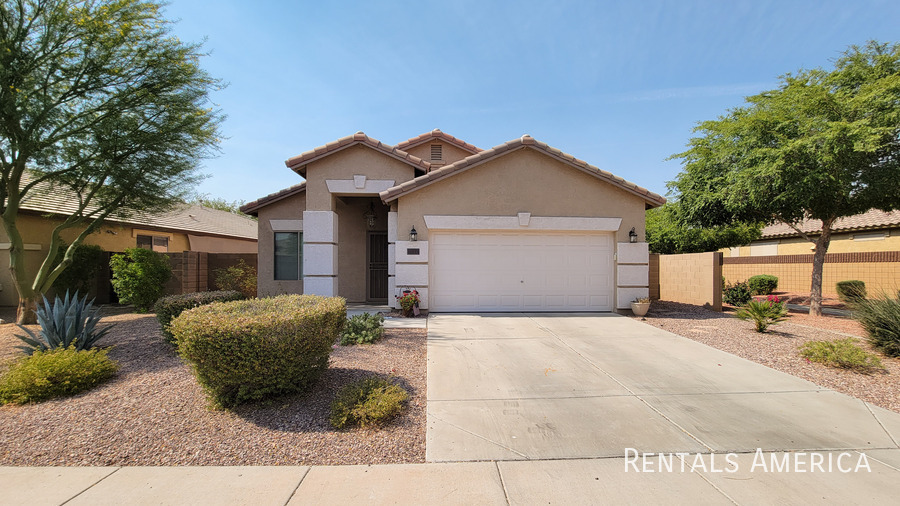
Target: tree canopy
[
  {"x": 668, "y": 234},
  {"x": 101, "y": 101},
  {"x": 825, "y": 144}
]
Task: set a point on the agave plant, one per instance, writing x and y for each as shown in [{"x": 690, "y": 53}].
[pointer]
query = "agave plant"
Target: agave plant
[{"x": 67, "y": 322}]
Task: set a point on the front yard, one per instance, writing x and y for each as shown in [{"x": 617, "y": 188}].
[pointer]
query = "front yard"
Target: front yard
[
  {"x": 155, "y": 414},
  {"x": 778, "y": 348}
]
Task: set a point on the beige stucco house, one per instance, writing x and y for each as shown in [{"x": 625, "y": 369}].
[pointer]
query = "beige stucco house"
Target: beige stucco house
[{"x": 518, "y": 227}]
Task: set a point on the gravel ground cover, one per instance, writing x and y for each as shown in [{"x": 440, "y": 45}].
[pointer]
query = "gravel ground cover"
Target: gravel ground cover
[
  {"x": 778, "y": 348},
  {"x": 155, "y": 413}
]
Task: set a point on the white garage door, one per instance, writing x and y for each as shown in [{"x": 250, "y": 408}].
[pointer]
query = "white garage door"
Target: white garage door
[{"x": 509, "y": 271}]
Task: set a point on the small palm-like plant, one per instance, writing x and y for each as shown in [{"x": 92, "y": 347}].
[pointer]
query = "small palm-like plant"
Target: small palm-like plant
[
  {"x": 763, "y": 312},
  {"x": 67, "y": 322}
]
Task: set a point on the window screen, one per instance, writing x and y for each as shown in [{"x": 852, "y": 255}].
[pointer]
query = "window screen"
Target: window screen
[{"x": 287, "y": 255}]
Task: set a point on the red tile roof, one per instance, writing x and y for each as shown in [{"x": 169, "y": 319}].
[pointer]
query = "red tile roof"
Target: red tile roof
[
  {"x": 522, "y": 142},
  {"x": 298, "y": 163},
  {"x": 872, "y": 219},
  {"x": 253, "y": 207},
  {"x": 437, "y": 134}
]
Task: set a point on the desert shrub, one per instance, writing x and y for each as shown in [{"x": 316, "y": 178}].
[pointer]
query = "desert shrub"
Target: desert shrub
[
  {"x": 68, "y": 322},
  {"x": 139, "y": 277},
  {"x": 851, "y": 291},
  {"x": 363, "y": 329},
  {"x": 880, "y": 318},
  {"x": 168, "y": 308},
  {"x": 81, "y": 275},
  {"x": 762, "y": 284},
  {"x": 367, "y": 402},
  {"x": 763, "y": 312},
  {"x": 737, "y": 294},
  {"x": 844, "y": 353},
  {"x": 239, "y": 277},
  {"x": 252, "y": 349},
  {"x": 54, "y": 373}
]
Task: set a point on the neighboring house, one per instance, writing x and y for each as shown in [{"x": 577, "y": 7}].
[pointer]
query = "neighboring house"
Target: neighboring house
[
  {"x": 186, "y": 228},
  {"x": 519, "y": 227},
  {"x": 865, "y": 247}
]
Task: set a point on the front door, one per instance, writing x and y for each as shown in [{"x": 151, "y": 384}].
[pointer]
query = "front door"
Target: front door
[{"x": 377, "y": 275}]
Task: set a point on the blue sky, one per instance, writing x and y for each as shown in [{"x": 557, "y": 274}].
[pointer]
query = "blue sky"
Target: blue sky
[{"x": 618, "y": 84}]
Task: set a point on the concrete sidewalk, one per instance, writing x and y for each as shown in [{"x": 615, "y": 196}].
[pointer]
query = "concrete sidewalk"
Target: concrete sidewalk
[{"x": 574, "y": 481}]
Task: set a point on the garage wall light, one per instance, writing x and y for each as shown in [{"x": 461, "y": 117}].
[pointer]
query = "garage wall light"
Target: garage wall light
[
  {"x": 632, "y": 236},
  {"x": 413, "y": 235}
]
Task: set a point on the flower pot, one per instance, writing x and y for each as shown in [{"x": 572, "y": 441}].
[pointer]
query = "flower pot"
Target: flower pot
[{"x": 640, "y": 308}]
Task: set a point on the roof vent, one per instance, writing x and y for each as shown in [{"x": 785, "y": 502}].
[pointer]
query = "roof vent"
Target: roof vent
[{"x": 436, "y": 152}]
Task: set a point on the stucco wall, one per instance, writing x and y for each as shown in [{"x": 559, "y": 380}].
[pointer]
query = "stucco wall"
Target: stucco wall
[
  {"x": 694, "y": 278},
  {"x": 357, "y": 159},
  {"x": 522, "y": 181},
  {"x": 290, "y": 208},
  {"x": 450, "y": 153}
]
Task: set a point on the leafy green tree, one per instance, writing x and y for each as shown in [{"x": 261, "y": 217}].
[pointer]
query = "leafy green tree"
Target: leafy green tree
[
  {"x": 668, "y": 234},
  {"x": 99, "y": 101},
  {"x": 139, "y": 277},
  {"x": 218, "y": 203},
  {"x": 824, "y": 145}
]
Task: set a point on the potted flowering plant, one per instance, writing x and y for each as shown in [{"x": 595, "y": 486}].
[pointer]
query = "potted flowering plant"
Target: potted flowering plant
[
  {"x": 640, "y": 306},
  {"x": 409, "y": 301}
]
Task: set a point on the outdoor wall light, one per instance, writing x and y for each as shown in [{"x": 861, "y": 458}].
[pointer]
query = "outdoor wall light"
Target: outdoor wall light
[
  {"x": 632, "y": 236},
  {"x": 370, "y": 216},
  {"x": 413, "y": 235}
]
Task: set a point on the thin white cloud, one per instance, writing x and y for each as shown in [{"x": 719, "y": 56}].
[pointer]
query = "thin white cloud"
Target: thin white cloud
[{"x": 727, "y": 90}]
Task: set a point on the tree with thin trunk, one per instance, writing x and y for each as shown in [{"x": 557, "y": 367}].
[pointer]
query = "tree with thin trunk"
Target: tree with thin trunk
[
  {"x": 824, "y": 145},
  {"x": 101, "y": 103}
]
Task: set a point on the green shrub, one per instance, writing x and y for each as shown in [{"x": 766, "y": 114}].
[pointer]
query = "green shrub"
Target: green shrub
[
  {"x": 67, "y": 322},
  {"x": 168, "y": 308},
  {"x": 363, "y": 329},
  {"x": 852, "y": 291},
  {"x": 239, "y": 277},
  {"x": 880, "y": 318},
  {"x": 248, "y": 350},
  {"x": 367, "y": 402},
  {"x": 55, "y": 373},
  {"x": 844, "y": 353},
  {"x": 763, "y": 312},
  {"x": 81, "y": 275},
  {"x": 762, "y": 284},
  {"x": 737, "y": 294},
  {"x": 139, "y": 277}
]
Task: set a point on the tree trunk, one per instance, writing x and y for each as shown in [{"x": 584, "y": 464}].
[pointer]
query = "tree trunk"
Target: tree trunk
[
  {"x": 815, "y": 289},
  {"x": 26, "y": 312}
]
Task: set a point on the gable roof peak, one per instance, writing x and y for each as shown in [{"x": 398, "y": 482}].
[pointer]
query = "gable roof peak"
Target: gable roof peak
[
  {"x": 298, "y": 163},
  {"x": 437, "y": 134}
]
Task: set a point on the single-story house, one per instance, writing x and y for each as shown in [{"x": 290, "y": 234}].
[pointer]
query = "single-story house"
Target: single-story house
[
  {"x": 518, "y": 227},
  {"x": 186, "y": 228},
  {"x": 864, "y": 247},
  {"x": 873, "y": 230}
]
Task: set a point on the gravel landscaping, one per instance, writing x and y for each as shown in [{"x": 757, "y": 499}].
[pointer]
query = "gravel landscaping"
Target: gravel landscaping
[
  {"x": 154, "y": 413},
  {"x": 778, "y": 348}
]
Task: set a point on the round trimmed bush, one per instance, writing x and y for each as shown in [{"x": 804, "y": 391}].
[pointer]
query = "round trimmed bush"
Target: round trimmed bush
[
  {"x": 763, "y": 284},
  {"x": 249, "y": 350},
  {"x": 168, "y": 308},
  {"x": 852, "y": 291},
  {"x": 59, "y": 372}
]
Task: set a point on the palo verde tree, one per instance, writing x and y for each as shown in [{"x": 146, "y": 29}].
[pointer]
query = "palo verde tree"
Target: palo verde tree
[
  {"x": 824, "y": 145},
  {"x": 102, "y": 103}
]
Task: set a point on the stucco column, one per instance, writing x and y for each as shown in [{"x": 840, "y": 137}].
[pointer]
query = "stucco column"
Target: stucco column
[
  {"x": 632, "y": 272},
  {"x": 320, "y": 253}
]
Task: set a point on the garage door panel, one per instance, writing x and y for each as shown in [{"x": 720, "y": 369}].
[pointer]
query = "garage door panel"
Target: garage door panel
[{"x": 521, "y": 271}]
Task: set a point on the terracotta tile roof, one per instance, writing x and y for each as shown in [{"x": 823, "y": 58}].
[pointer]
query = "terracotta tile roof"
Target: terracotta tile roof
[
  {"x": 872, "y": 219},
  {"x": 298, "y": 163},
  {"x": 188, "y": 218},
  {"x": 524, "y": 141},
  {"x": 437, "y": 134},
  {"x": 253, "y": 207}
]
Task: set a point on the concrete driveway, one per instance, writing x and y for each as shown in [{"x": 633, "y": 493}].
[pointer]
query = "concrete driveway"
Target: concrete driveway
[{"x": 561, "y": 386}]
